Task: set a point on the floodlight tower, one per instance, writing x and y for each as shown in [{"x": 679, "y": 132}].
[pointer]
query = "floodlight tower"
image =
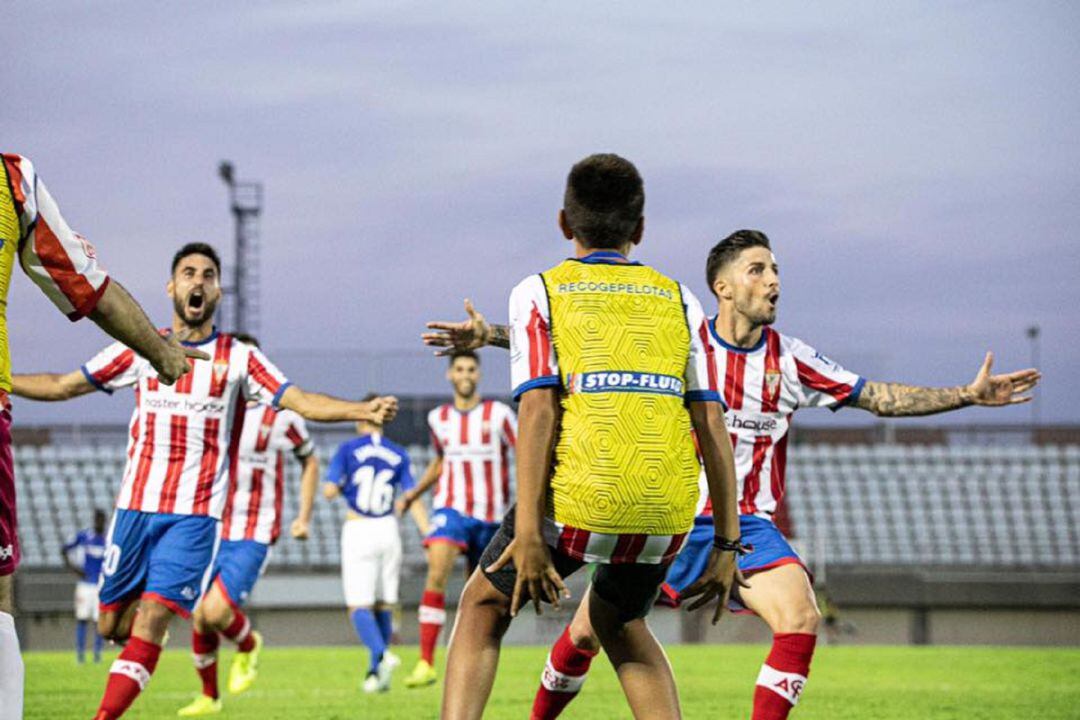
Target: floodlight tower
[{"x": 245, "y": 200}]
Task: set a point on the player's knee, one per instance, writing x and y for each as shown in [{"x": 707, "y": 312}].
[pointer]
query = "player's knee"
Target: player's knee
[
  {"x": 108, "y": 626},
  {"x": 802, "y": 619},
  {"x": 217, "y": 615},
  {"x": 582, "y": 634}
]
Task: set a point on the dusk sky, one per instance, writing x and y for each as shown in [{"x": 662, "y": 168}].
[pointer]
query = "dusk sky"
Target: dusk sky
[{"x": 917, "y": 167}]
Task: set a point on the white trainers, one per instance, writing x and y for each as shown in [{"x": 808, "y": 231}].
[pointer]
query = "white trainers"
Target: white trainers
[
  {"x": 371, "y": 683},
  {"x": 391, "y": 660},
  {"x": 386, "y": 669}
]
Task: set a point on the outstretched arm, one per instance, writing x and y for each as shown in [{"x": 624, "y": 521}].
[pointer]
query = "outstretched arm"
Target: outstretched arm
[
  {"x": 309, "y": 480},
  {"x": 469, "y": 334},
  {"x": 324, "y": 408},
  {"x": 51, "y": 386},
  {"x": 899, "y": 400}
]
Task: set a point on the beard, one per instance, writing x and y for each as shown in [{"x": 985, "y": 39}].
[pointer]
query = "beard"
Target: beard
[
  {"x": 465, "y": 388},
  {"x": 193, "y": 317}
]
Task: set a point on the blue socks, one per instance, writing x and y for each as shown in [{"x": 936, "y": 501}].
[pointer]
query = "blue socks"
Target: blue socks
[
  {"x": 385, "y": 618},
  {"x": 99, "y": 643},
  {"x": 370, "y": 634},
  {"x": 80, "y": 641}
]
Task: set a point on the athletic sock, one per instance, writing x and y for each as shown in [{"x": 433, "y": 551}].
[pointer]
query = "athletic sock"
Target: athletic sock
[
  {"x": 11, "y": 669},
  {"x": 80, "y": 640},
  {"x": 432, "y": 617},
  {"x": 783, "y": 676},
  {"x": 564, "y": 674},
  {"x": 128, "y": 677},
  {"x": 367, "y": 630},
  {"x": 204, "y": 647},
  {"x": 99, "y": 643},
  {"x": 385, "y": 619},
  {"x": 239, "y": 631}
]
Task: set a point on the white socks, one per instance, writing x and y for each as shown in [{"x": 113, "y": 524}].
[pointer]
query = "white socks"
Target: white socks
[{"x": 11, "y": 671}]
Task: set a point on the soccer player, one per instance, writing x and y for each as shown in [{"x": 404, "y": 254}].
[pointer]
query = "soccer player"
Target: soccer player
[
  {"x": 367, "y": 472},
  {"x": 767, "y": 375},
  {"x": 64, "y": 265},
  {"x": 472, "y": 438},
  {"x": 610, "y": 364},
  {"x": 183, "y": 442},
  {"x": 251, "y": 524},
  {"x": 83, "y": 555}
]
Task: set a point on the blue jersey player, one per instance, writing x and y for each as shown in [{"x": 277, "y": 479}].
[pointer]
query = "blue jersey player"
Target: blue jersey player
[
  {"x": 368, "y": 472},
  {"x": 83, "y": 556}
]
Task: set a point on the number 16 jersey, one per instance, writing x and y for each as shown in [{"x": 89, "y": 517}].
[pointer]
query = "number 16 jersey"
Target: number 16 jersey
[{"x": 370, "y": 470}]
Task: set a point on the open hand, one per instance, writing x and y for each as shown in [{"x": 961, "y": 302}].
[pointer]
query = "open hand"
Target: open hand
[
  {"x": 536, "y": 574},
  {"x": 720, "y": 576},
  {"x": 995, "y": 390},
  {"x": 465, "y": 335}
]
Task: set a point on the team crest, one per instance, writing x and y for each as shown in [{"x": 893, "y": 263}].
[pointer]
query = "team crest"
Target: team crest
[
  {"x": 772, "y": 383},
  {"x": 221, "y": 367},
  {"x": 264, "y": 430},
  {"x": 485, "y": 427}
]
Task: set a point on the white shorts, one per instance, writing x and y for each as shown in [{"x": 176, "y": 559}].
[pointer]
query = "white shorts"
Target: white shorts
[
  {"x": 370, "y": 560},
  {"x": 86, "y": 601}
]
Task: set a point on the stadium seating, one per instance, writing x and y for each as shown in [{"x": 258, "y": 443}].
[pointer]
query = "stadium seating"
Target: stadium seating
[{"x": 940, "y": 505}]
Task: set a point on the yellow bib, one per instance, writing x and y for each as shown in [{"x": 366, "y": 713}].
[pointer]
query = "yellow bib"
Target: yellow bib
[
  {"x": 10, "y": 233},
  {"x": 624, "y": 460}
]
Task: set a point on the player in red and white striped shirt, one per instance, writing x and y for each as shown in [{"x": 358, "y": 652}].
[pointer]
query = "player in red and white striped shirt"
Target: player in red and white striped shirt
[
  {"x": 183, "y": 443},
  {"x": 764, "y": 376},
  {"x": 472, "y": 438},
  {"x": 250, "y": 524}
]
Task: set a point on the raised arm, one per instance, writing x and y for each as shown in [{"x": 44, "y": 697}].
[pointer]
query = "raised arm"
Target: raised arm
[
  {"x": 899, "y": 400},
  {"x": 309, "y": 481},
  {"x": 469, "y": 334},
  {"x": 324, "y": 408},
  {"x": 120, "y": 316}
]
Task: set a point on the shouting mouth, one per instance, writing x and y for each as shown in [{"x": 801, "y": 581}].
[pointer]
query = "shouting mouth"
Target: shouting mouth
[{"x": 196, "y": 301}]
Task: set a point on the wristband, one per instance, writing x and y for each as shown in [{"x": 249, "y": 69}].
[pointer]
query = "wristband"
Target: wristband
[{"x": 722, "y": 544}]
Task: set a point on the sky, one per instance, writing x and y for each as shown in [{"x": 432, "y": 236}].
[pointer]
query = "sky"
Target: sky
[{"x": 916, "y": 166}]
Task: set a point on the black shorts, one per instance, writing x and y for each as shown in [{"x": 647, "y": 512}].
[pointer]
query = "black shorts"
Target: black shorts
[{"x": 631, "y": 587}]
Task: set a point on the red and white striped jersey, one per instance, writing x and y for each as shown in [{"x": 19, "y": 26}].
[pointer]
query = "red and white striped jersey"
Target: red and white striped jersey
[
  {"x": 35, "y": 235},
  {"x": 474, "y": 447},
  {"x": 256, "y": 488},
  {"x": 761, "y": 387},
  {"x": 184, "y": 437}
]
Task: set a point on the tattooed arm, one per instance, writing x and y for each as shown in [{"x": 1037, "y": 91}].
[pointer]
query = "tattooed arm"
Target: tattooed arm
[
  {"x": 898, "y": 400},
  {"x": 466, "y": 335}
]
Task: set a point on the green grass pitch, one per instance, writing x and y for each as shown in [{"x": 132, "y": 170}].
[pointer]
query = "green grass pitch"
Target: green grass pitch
[{"x": 715, "y": 682}]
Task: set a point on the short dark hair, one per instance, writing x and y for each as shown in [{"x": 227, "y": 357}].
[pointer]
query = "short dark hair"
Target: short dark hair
[
  {"x": 196, "y": 248},
  {"x": 246, "y": 338},
  {"x": 464, "y": 354},
  {"x": 604, "y": 200},
  {"x": 729, "y": 248}
]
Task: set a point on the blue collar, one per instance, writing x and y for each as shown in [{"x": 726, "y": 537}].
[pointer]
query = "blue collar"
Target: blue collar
[
  {"x": 606, "y": 257},
  {"x": 196, "y": 343},
  {"x": 735, "y": 348}
]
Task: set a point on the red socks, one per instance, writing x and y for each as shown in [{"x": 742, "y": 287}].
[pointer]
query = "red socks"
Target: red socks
[
  {"x": 563, "y": 677},
  {"x": 783, "y": 676},
  {"x": 239, "y": 631},
  {"x": 432, "y": 618},
  {"x": 127, "y": 677},
  {"x": 204, "y": 650}
]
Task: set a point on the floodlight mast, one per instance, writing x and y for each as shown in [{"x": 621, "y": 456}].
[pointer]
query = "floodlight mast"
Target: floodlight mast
[{"x": 245, "y": 203}]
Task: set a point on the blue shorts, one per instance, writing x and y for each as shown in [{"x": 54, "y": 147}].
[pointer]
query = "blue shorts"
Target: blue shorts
[
  {"x": 239, "y": 564},
  {"x": 469, "y": 534},
  {"x": 769, "y": 549},
  {"x": 157, "y": 556}
]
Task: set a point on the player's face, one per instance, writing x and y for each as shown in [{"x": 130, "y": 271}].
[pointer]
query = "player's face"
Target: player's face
[
  {"x": 464, "y": 375},
  {"x": 195, "y": 290},
  {"x": 752, "y": 282}
]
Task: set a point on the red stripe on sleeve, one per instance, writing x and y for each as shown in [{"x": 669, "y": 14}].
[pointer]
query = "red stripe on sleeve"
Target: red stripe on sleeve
[
  {"x": 294, "y": 436},
  {"x": 710, "y": 355},
  {"x": 814, "y": 380},
  {"x": 508, "y": 432},
  {"x": 12, "y": 162},
  {"x": 262, "y": 376},
  {"x": 539, "y": 345},
  {"x": 54, "y": 258},
  {"x": 116, "y": 367}
]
